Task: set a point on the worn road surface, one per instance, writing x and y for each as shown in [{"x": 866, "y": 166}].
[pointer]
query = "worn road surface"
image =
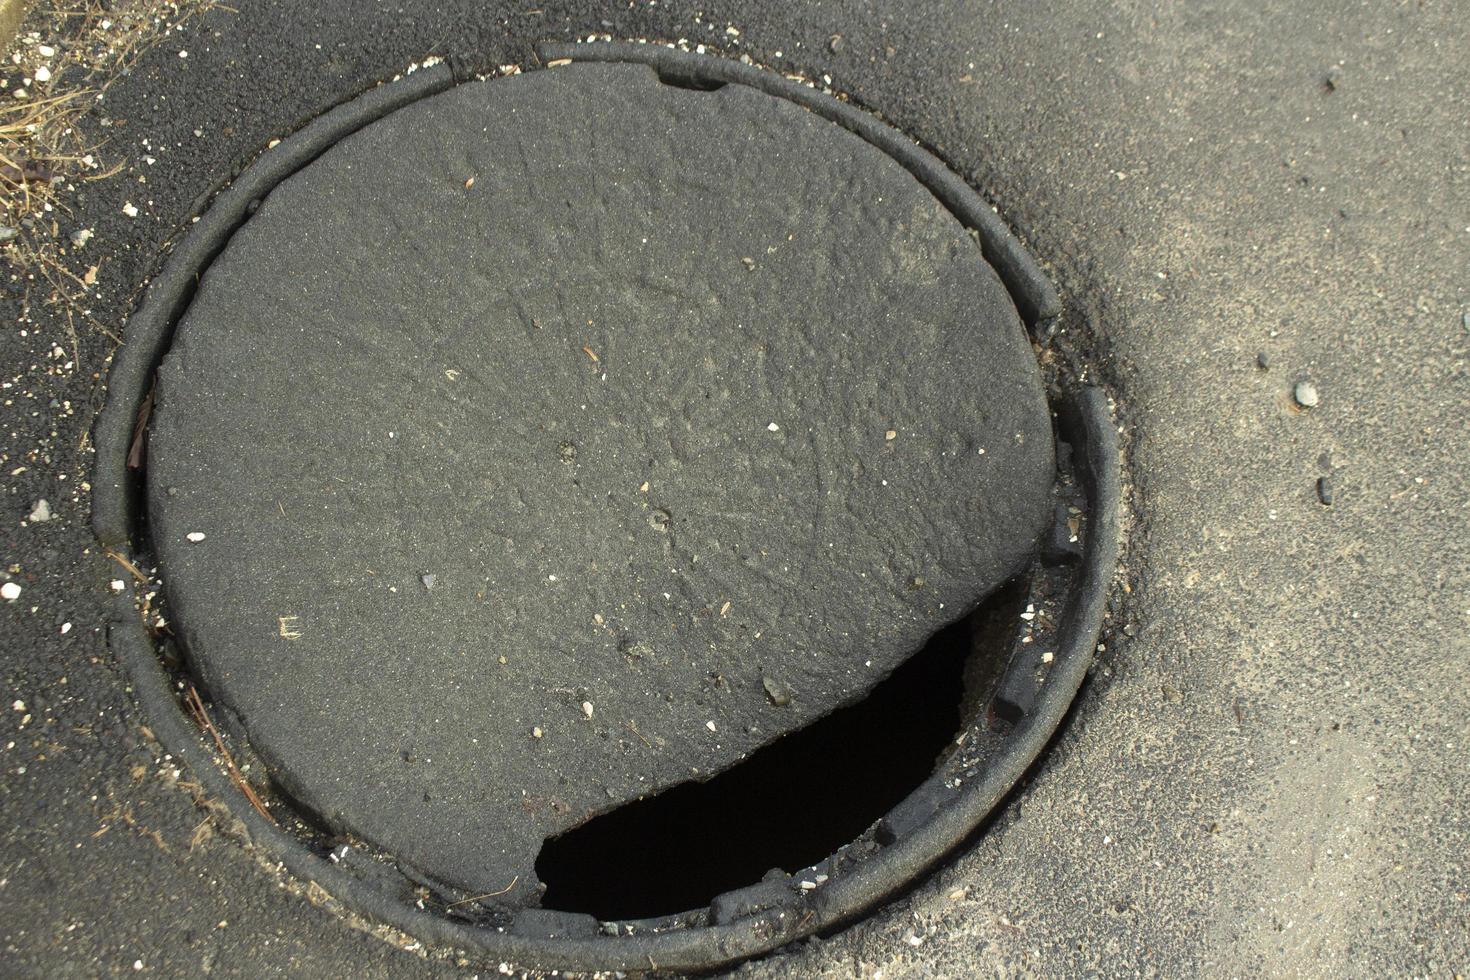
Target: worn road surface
[{"x": 1266, "y": 772}]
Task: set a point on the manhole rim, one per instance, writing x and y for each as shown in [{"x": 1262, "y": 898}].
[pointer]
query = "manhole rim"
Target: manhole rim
[{"x": 116, "y": 508}]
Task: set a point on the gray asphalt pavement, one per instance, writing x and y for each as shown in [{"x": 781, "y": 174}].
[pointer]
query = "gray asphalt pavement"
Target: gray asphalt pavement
[{"x": 1266, "y": 773}]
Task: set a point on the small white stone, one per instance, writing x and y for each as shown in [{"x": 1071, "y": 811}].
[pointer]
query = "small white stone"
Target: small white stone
[
  {"x": 65, "y": 628},
  {"x": 17, "y": 706},
  {"x": 130, "y": 210},
  {"x": 41, "y": 512},
  {"x": 710, "y": 725},
  {"x": 195, "y": 536},
  {"x": 118, "y": 585},
  {"x": 45, "y": 51},
  {"x": 10, "y": 591},
  {"x": 774, "y": 427},
  {"x": 43, "y": 74},
  {"x": 587, "y": 708}
]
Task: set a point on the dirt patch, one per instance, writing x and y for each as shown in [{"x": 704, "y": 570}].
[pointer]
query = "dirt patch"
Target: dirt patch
[{"x": 58, "y": 70}]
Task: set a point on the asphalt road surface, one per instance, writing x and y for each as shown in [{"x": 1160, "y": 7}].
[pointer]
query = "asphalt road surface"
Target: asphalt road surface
[{"x": 1266, "y": 772}]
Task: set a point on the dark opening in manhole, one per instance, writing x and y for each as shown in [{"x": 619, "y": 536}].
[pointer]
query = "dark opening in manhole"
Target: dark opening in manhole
[
  {"x": 791, "y": 803},
  {"x": 573, "y": 494}
]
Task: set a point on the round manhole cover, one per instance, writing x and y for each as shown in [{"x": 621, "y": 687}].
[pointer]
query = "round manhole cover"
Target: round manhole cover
[{"x": 551, "y": 442}]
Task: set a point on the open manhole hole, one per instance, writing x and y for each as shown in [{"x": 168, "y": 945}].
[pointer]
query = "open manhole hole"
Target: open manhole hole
[{"x": 608, "y": 516}]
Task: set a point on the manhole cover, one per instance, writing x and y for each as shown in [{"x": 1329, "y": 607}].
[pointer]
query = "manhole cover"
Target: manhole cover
[{"x": 548, "y": 444}]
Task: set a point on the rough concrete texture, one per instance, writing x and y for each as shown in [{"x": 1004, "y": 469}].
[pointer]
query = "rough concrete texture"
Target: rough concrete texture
[
  {"x": 516, "y": 445},
  {"x": 1266, "y": 774}
]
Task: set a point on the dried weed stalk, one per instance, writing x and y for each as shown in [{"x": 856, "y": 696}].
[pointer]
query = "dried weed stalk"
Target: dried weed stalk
[{"x": 55, "y": 73}]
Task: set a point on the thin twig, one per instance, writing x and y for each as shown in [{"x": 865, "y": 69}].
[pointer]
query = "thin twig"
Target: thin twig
[
  {"x": 197, "y": 706},
  {"x": 133, "y": 569},
  {"x": 466, "y": 901}
]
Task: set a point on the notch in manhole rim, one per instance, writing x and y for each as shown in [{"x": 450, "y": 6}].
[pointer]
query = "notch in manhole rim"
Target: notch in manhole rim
[{"x": 912, "y": 838}]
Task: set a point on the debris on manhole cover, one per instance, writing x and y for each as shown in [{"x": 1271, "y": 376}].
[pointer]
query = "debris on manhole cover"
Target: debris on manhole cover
[{"x": 546, "y": 464}]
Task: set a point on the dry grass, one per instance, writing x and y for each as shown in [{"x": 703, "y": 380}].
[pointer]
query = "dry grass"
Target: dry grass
[{"x": 56, "y": 71}]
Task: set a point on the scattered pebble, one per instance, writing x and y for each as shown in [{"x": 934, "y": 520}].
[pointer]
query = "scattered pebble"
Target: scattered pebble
[
  {"x": 710, "y": 725},
  {"x": 81, "y": 236},
  {"x": 10, "y": 591},
  {"x": 118, "y": 585},
  {"x": 43, "y": 74},
  {"x": 891, "y": 435},
  {"x": 749, "y": 263},
  {"x": 7, "y": 233},
  {"x": 537, "y": 732},
  {"x": 17, "y": 705},
  {"x": 195, "y": 536},
  {"x": 587, "y": 709},
  {"x": 835, "y": 43},
  {"x": 774, "y": 427},
  {"x": 428, "y": 581},
  {"x": 130, "y": 209},
  {"x": 776, "y": 691},
  {"x": 1306, "y": 394},
  {"x": 1325, "y": 492},
  {"x": 41, "y": 512},
  {"x": 1263, "y": 360}
]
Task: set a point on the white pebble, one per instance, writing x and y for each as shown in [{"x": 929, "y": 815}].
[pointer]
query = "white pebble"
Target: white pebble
[
  {"x": 10, "y": 591},
  {"x": 43, "y": 74},
  {"x": 1305, "y": 394},
  {"x": 65, "y": 628},
  {"x": 710, "y": 725},
  {"x": 118, "y": 585},
  {"x": 774, "y": 427},
  {"x": 587, "y": 708},
  {"x": 130, "y": 210},
  {"x": 195, "y": 536},
  {"x": 45, "y": 51},
  {"x": 17, "y": 706}
]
